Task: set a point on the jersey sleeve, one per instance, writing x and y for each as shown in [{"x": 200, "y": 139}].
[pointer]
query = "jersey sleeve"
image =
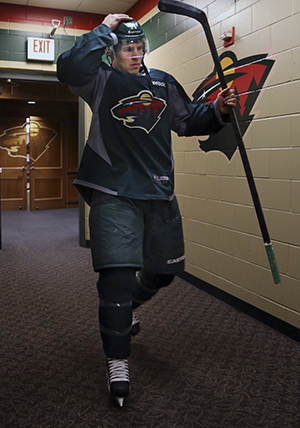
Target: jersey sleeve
[
  {"x": 79, "y": 65},
  {"x": 188, "y": 119}
]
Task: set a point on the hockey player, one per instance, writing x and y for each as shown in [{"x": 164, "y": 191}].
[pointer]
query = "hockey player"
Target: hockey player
[{"x": 126, "y": 175}]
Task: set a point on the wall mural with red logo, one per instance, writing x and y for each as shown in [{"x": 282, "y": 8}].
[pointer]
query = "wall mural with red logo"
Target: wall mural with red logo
[{"x": 247, "y": 77}]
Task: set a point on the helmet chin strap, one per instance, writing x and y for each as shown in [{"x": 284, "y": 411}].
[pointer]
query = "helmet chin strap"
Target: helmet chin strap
[
  {"x": 148, "y": 77},
  {"x": 108, "y": 54}
]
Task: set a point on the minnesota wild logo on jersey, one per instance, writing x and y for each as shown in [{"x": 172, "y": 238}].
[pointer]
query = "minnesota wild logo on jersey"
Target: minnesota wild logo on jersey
[{"x": 140, "y": 111}]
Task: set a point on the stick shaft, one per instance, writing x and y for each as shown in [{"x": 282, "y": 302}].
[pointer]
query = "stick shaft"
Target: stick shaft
[
  {"x": 199, "y": 15},
  {"x": 238, "y": 136},
  {"x": 188, "y": 10}
]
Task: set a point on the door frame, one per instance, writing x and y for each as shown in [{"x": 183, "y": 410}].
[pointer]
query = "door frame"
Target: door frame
[{"x": 51, "y": 77}]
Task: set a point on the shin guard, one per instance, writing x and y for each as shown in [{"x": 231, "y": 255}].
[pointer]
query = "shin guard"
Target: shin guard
[
  {"x": 115, "y": 310},
  {"x": 147, "y": 285},
  {"x": 115, "y": 320}
]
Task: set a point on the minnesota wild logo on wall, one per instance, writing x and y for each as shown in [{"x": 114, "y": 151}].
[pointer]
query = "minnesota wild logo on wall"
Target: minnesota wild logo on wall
[{"x": 247, "y": 77}]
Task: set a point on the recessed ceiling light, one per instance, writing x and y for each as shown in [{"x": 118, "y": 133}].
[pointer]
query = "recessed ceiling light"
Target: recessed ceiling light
[{"x": 31, "y": 102}]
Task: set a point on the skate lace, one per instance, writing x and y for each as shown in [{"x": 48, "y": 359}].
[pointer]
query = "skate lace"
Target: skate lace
[
  {"x": 118, "y": 370},
  {"x": 135, "y": 319}
]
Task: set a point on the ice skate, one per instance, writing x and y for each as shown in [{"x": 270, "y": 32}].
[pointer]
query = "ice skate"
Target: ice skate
[
  {"x": 135, "y": 324},
  {"x": 118, "y": 382}
]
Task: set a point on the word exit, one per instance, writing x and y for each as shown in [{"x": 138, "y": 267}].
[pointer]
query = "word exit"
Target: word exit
[{"x": 40, "y": 49}]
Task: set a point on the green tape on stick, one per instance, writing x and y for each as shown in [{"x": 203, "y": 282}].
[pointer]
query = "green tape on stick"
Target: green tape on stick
[{"x": 273, "y": 263}]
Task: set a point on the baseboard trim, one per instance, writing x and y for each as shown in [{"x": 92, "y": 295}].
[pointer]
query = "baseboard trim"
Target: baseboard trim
[{"x": 271, "y": 321}]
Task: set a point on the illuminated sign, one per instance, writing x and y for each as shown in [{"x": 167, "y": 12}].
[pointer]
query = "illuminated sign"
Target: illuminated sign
[{"x": 40, "y": 49}]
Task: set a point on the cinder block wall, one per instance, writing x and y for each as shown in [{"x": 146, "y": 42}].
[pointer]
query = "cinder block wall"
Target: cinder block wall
[{"x": 222, "y": 237}]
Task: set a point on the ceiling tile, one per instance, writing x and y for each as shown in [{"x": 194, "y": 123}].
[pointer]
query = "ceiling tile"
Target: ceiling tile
[
  {"x": 22, "y": 2},
  {"x": 108, "y": 6},
  {"x": 102, "y": 7},
  {"x": 56, "y": 4}
]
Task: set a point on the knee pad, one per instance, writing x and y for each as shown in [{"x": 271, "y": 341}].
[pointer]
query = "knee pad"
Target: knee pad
[
  {"x": 155, "y": 281},
  {"x": 115, "y": 285},
  {"x": 148, "y": 284}
]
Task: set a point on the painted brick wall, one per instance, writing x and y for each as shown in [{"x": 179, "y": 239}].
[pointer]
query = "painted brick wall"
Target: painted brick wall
[{"x": 222, "y": 237}]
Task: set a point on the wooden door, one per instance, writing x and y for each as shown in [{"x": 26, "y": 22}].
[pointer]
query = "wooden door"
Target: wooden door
[
  {"x": 13, "y": 160},
  {"x": 47, "y": 172}
]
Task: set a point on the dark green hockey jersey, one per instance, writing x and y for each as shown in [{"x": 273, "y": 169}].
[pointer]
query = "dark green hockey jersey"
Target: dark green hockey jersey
[{"x": 129, "y": 151}]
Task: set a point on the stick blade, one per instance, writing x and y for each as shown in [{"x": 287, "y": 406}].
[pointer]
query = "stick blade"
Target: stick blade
[{"x": 179, "y": 8}]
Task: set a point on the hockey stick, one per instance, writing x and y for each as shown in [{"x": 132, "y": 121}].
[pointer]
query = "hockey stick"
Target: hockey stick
[{"x": 179, "y": 8}]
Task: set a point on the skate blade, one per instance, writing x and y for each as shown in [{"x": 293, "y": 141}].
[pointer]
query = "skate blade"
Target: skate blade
[{"x": 120, "y": 401}]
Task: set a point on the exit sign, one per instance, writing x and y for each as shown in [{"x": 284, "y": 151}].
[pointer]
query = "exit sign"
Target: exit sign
[{"x": 40, "y": 49}]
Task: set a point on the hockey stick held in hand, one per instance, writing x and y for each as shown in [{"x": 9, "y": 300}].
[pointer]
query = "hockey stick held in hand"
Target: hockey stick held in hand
[{"x": 179, "y": 8}]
